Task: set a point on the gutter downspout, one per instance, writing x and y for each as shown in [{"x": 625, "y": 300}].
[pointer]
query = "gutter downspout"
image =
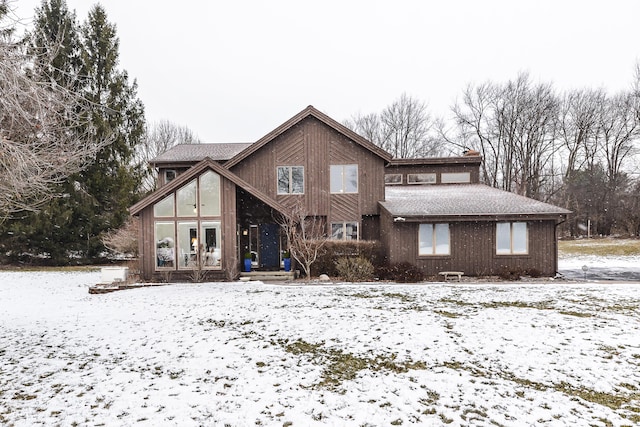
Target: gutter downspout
[{"x": 555, "y": 242}]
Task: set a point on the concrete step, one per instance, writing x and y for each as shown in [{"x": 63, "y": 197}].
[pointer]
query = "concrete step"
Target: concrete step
[{"x": 267, "y": 276}]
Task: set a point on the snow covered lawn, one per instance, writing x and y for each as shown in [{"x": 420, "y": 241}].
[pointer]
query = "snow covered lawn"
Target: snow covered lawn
[{"x": 254, "y": 354}]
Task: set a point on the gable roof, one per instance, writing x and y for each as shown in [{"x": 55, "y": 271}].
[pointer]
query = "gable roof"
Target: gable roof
[
  {"x": 310, "y": 111},
  {"x": 190, "y": 153},
  {"x": 462, "y": 200},
  {"x": 193, "y": 172}
]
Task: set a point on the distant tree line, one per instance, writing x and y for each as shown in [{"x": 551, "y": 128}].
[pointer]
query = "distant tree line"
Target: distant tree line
[{"x": 578, "y": 149}]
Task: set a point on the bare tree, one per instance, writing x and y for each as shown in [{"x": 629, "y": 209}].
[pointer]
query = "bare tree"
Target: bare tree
[
  {"x": 42, "y": 137},
  {"x": 403, "y": 128},
  {"x": 306, "y": 235},
  {"x": 158, "y": 138},
  {"x": 617, "y": 129},
  {"x": 577, "y": 123},
  {"x": 513, "y": 127},
  {"x": 367, "y": 125}
]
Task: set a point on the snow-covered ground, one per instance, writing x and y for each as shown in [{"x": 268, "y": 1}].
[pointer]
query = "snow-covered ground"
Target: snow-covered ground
[
  {"x": 601, "y": 268},
  {"x": 557, "y": 353}
]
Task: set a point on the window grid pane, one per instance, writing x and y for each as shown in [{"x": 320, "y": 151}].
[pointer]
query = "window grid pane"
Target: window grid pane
[
  {"x": 337, "y": 231},
  {"x": 297, "y": 180},
  {"x": 210, "y": 194},
  {"x": 519, "y": 237},
  {"x": 164, "y": 208},
  {"x": 351, "y": 179},
  {"x": 283, "y": 180},
  {"x": 186, "y": 200},
  {"x": 425, "y": 239},
  {"x": 442, "y": 239},
  {"x": 336, "y": 179},
  {"x": 165, "y": 244}
]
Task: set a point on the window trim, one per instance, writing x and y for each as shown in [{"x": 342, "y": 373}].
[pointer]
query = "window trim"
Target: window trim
[
  {"x": 455, "y": 178},
  {"x": 343, "y": 189},
  {"x": 170, "y": 254},
  {"x": 434, "y": 240},
  {"x": 343, "y": 224},
  {"x": 433, "y": 178},
  {"x": 511, "y": 239},
  {"x": 290, "y": 170},
  {"x": 166, "y": 175},
  {"x": 395, "y": 175}
]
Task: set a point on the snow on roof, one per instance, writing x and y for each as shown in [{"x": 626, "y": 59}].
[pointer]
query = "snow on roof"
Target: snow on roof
[
  {"x": 196, "y": 152},
  {"x": 461, "y": 199}
]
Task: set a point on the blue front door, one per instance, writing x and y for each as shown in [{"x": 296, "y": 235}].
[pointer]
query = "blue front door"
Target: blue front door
[{"x": 269, "y": 246}]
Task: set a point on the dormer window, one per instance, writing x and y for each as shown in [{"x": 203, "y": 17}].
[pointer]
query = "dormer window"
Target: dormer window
[{"x": 169, "y": 175}]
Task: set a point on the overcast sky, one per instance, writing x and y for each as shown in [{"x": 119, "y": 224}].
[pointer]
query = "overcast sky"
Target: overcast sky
[{"x": 234, "y": 70}]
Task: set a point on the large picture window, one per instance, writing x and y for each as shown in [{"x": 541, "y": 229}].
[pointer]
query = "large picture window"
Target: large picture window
[
  {"x": 511, "y": 238},
  {"x": 344, "y": 230},
  {"x": 188, "y": 227},
  {"x": 290, "y": 179},
  {"x": 344, "y": 178},
  {"x": 434, "y": 239}
]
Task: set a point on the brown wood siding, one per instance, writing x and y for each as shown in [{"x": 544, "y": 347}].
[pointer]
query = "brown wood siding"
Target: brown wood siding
[
  {"x": 146, "y": 244},
  {"x": 229, "y": 238},
  {"x": 473, "y": 248},
  {"x": 316, "y": 146}
]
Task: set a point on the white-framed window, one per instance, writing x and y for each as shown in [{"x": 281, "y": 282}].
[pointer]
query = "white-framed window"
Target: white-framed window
[
  {"x": 393, "y": 178},
  {"x": 210, "y": 250},
  {"x": 344, "y": 230},
  {"x": 511, "y": 238},
  {"x": 186, "y": 204},
  {"x": 209, "y": 194},
  {"x": 344, "y": 178},
  {"x": 165, "y": 232},
  {"x": 188, "y": 244},
  {"x": 433, "y": 239},
  {"x": 455, "y": 177},
  {"x": 290, "y": 179},
  {"x": 421, "y": 178},
  {"x": 196, "y": 236},
  {"x": 165, "y": 207}
]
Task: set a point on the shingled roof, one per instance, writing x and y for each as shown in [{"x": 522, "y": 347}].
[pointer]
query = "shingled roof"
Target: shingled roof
[
  {"x": 462, "y": 200},
  {"x": 190, "y": 153}
]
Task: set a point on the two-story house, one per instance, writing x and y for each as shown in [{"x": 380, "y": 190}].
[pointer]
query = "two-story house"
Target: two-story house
[{"x": 216, "y": 202}]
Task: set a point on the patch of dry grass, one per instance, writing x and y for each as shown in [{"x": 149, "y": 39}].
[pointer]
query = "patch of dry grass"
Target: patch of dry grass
[{"x": 599, "y": 246}]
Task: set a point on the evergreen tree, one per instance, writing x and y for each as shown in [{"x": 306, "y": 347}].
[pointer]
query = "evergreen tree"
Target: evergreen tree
[
  {"x": 96, "y": 199},
  {"x": 113, "y": 180},
  {"x": 56, "y": 28}
]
